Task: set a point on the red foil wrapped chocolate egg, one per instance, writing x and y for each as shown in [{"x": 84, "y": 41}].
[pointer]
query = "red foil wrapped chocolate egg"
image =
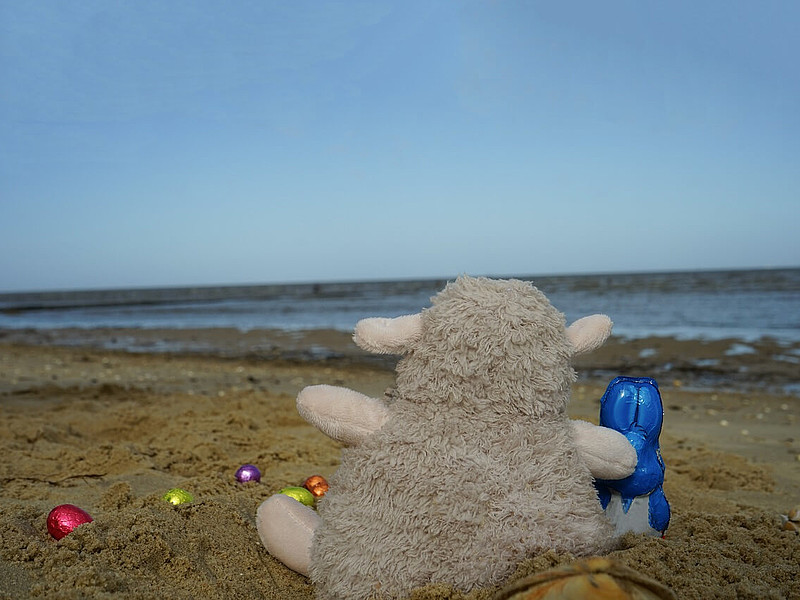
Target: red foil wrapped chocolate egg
[{"x": 64, "y": 518}]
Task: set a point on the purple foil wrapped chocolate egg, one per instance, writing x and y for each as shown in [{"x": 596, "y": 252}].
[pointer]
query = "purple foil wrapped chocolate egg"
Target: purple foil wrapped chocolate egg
[
  {"x": 247, "y": 473},
  {"x": 64, "y": 518}
]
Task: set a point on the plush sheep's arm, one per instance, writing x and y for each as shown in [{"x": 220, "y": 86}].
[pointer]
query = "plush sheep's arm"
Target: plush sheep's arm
[
  {"x": 388, "y": 336},
  {"x": 342, "y": 414},
  {"x": 607, "y": 453}
]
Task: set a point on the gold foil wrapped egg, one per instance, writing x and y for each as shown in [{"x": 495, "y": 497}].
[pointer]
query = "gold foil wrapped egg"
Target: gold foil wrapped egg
[
  {"x": 317, "y": 485},
  {"x": 178, "y": 496},
  {"x": 300, "y": 494},
  {"x": 598, "y": 578}
]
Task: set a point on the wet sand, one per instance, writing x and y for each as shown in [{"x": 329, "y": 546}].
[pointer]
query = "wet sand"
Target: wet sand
[{"x": 111, "y": 431}]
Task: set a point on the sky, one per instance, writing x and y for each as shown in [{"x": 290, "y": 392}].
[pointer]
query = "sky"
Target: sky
[{"x": 152, "y": 143}]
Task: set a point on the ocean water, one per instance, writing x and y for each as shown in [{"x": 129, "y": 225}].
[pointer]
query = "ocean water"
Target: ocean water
[{"x": 746, "y": 305}]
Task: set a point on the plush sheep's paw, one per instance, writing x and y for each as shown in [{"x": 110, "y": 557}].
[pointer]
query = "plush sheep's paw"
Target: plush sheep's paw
[
  {"x": 607, "y": 453},
  {"x": 286, "y": 529},
  {"x": 340, "y": 413}
]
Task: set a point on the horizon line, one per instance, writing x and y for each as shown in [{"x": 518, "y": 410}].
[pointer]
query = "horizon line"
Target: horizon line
[{"x": 299, "y": 283}]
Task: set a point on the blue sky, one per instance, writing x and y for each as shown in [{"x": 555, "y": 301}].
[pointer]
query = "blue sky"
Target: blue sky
[{"x": 156, "y": 143}]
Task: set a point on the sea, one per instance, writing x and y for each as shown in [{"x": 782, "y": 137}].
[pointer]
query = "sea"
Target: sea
[{"x": 743, "y": 304}]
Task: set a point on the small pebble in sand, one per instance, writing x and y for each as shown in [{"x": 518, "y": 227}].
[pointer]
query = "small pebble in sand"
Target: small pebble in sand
[
  {"x": 724, "y": 423},
  {"x": 791, "y": 526},
  {"x": 794, "y": 514}
]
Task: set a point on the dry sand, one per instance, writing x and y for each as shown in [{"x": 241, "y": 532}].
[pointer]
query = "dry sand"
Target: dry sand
[{"x": 112, "y": 431}]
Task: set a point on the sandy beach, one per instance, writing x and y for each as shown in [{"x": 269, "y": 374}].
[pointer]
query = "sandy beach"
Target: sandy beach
[{"x": 89, "y": 423}]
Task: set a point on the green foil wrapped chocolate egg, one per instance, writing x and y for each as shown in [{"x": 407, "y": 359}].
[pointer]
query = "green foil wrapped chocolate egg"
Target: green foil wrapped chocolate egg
[
  {"x": 178, "y": 496},
  {"x": 300, "y": 494}
]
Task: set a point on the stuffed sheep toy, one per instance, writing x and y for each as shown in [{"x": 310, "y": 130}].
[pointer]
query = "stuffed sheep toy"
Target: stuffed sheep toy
[{"x": 471, "y": 465}]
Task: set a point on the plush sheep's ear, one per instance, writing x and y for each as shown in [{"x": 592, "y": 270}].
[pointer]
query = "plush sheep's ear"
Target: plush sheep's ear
[
  {"x": 589, "y": 333},
  {"x": 388, "y": 336}
]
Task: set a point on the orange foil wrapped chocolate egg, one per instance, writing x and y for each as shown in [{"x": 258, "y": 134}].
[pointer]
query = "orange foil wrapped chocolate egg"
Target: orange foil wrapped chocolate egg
[{"x": 317, "y": 485}]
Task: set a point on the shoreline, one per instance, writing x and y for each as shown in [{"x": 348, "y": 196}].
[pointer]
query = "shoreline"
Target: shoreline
[
  {"x": 111, "y": 431},
  {"x": 727, "y": 364}
]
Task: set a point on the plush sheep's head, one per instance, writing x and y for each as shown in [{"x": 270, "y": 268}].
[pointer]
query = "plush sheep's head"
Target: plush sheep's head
[{"x": 486, "y": 341}]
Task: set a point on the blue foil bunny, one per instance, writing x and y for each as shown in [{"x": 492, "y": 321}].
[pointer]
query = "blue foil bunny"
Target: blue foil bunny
[{"x": 632, "y": 406}]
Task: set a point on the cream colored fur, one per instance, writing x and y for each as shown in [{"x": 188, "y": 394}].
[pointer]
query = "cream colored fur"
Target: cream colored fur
[
  {"x": 388, "y": 336},
  {"x": 472, "y": 465},
  {"x": 344, "y": 415},
  {"x": 287, "y": 528},
  {"x": 589, "y": 333}
]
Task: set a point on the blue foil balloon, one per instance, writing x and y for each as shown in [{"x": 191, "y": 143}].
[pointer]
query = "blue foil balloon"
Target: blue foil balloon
[{"x": 632, "y": 406}]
